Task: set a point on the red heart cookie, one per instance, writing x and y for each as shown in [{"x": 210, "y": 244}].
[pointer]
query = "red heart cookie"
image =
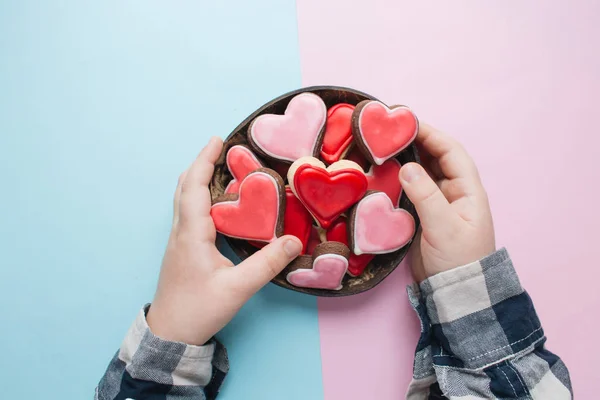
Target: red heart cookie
[
  {"x": 383, "y": 132},
  {"x": 338, "y": 132},
  {"x": 385, "y": 178},
  {"x": 338, "y": 232},
  {"x": 325, "y": 269},
  {"x": 313, "y": 241},
  {"x": 297, "y": 221},
  {"x": 256, "y": 213},
  {"x": 240, "y": 162},
  {"x": 358, "y": 157},
  {"x": 376, "y": 227},
  {"x": 297, "y": 133},
  {"x": 327, "y": 192}
]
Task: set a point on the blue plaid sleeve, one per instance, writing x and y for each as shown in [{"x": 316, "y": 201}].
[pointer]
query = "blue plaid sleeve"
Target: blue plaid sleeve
[
  {"x": 148, "y": 367},
  {"x": 481, "y": 338}
]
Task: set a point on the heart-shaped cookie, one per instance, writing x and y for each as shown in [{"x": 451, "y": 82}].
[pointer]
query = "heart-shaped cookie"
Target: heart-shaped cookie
[
  {"x": 313, "y": 241},
  {"x": 376, "y": 227},
  {"x": 327, "y": 192},
  {"x": 297, "y": 133},
  {"x": 338, "y": 232},
  {"x": 356, "y": 155},
  {"x": 383, "y": 132},
  {"x": 325, "y": 269},
  {"x": 297, "y": 221},
  {"x": 240, "y": 162},
  {"x": 256, "y": 212},
  {"x": 385, "y": 178},
  {"x": 338, "y": 132}
]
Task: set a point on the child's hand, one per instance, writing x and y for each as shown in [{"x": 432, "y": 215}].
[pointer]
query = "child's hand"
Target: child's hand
[
  {"x": 199, "y": 290},
  {"x": 456, "y": 221}
]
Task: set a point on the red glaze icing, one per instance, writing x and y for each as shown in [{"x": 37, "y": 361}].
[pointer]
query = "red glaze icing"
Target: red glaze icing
[
  {"x": 297, "y": 221},
  {"x": 384, "y": 178},
  {"x": 313, "y": 241},
  {"x": 253, "y": 216},
  {"x": 240, "y": 161},
  {"x": 338, "y": 132},
  {"x": 338, "y": 232},
  {"x": 358, "y": 157},
  {"x": 385, "y": 132},
  {"x": 328, "y": 194}
]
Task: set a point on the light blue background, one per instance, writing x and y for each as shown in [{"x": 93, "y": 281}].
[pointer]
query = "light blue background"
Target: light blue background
[{"x": 102, "y": 105}]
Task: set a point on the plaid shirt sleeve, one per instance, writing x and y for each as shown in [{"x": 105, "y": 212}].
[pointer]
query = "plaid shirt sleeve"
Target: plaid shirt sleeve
[
  {"x": 148, "y": 367},
  {"x": 481, "y": 338}
]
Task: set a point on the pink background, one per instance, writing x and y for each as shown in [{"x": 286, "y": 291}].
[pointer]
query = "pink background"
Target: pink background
[{"x": 518, "y": 84}]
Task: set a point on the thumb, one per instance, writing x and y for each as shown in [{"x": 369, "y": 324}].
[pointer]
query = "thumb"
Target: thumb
[
  {"x": 433, "y": 208},
  {"x": 258, "y": 269}
]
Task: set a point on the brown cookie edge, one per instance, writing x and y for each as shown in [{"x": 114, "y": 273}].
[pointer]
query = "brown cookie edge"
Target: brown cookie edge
[
  {"x": 331, "y": 248},
  {"x": 356, "y": 131}
]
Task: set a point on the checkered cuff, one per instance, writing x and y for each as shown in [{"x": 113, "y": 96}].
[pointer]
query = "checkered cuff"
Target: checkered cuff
[
  {"x": 146, "y": 365},
  {"x": 480, "y": 314}
]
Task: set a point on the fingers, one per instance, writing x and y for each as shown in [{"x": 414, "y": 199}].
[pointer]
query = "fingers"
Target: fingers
[
  {"x": 195, "y": 196},
  {"x": 257, "y": 270},
  {"x": 454, "y": 162},
  {"x": 431, "y": 205},
  {"x": 202, "y": 168},
  {"x": 177, "y": 197}
]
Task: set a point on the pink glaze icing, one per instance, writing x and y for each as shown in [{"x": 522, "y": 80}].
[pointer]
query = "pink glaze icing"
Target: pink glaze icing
[
  {"x": 254, "y": 215},
  {"x": 379, "y": 227},
  {"x": 294, "y": 134},
  {"x": 240, "y": 162},
  {"x": 327, "y": 273},
  {"x": 385, "y": 132}
]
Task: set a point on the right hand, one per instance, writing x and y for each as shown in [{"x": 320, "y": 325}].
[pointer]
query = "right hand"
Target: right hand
[{"x": 456, "y": 221}]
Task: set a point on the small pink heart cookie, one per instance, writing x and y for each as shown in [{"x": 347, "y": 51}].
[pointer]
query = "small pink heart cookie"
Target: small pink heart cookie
[
  {"x": 376, "y": 227},
  {"x": 240, "y": 162},
  {"x": 382, "y": 132},
  {"x": 297, "y": 133},
  {"x": 385, "y": 178},
  {"x": 256, "y": 212},
  {"x": 325, "y": 269}
]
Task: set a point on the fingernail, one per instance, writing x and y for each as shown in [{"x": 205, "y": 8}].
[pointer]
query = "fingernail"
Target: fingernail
[
  {"x": 292, "y": 247},
  {"x": 411, "y": 172}
]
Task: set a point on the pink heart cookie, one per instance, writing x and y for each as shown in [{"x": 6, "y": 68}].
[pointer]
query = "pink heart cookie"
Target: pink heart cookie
[
  {"x": 256, "y": 213},
  {"x": 383, "y": 132},
  {"x": 376, "y": 227},
  {"x": 240, "y": 162},
  {"x": 385, "y": 178},
  {"x": 297, "y": 133},
  {"x": 325, "y": 269}
]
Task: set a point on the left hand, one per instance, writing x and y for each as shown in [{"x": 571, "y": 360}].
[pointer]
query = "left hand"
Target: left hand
[{"x": 199, "y": 290}]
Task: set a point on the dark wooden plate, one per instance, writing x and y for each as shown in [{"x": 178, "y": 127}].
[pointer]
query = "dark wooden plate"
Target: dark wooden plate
[{"x": 382, "y": 265}]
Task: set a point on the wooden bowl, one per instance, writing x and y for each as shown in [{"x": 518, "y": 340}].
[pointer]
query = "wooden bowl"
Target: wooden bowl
[{"x": 382, "y": 265}]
